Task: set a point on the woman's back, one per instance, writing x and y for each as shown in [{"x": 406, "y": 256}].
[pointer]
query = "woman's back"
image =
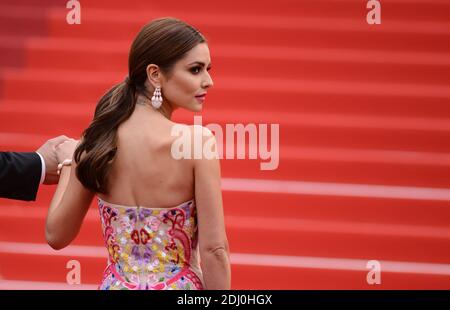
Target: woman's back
[
  {"x": 149, "y": 217},
  {"x": 143, "y": 172}
]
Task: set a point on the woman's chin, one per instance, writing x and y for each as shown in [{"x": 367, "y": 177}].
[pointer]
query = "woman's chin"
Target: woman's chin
[{"x": 196, "y": 107}]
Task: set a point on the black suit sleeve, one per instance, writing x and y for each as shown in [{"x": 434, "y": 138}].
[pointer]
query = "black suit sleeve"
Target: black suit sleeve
[{"x": 20, "y": 174}]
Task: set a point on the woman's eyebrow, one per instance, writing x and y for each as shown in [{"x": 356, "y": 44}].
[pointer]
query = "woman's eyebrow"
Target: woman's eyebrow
[{"x": 198, "y": 62}]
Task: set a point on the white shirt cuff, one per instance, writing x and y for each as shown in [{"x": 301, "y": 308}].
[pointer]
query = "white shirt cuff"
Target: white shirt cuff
[{"x": 43, "y": 168}]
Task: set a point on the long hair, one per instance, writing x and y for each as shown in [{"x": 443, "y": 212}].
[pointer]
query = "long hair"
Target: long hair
[{"x": 162, "y": 42}]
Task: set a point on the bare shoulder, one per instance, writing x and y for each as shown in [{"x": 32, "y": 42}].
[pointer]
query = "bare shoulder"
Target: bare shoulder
[
  {"x": 204, "y": 132},
  {"x": 206, "y": 161},
  {"x": 196, "y": 142},
  {"x": 198, "y": 129},
  {"x": 204, "y": 137}
]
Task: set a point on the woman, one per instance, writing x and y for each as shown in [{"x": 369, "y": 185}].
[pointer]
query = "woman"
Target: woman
[{"x": 159, "y": 214}]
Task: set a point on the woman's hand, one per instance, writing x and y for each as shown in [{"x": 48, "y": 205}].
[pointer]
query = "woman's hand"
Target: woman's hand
[
  {"x": 66, "y": 149},
  {"x": 48, "y": 153}
]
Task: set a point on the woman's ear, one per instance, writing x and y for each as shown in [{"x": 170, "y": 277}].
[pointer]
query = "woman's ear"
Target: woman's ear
[{"x": 154, "y": 75}]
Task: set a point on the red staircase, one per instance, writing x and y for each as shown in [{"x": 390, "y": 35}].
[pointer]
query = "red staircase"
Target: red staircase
[{"x": 364, "y": 116}]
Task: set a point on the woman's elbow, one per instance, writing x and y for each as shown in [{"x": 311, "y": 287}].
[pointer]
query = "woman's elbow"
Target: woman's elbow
[
  {"x": 218, "y": 250},
  {"x": 54, "y": 240}
]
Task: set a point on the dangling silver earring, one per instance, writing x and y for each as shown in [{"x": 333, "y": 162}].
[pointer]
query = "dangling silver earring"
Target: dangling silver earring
[{"x": 157, "y": 98}]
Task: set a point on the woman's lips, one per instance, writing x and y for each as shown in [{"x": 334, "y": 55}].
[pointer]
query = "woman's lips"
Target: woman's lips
[{"x": 201, "y": 98}]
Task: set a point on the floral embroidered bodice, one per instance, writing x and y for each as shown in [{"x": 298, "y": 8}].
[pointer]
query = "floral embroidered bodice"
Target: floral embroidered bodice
[{"x": 151, "y": 248}]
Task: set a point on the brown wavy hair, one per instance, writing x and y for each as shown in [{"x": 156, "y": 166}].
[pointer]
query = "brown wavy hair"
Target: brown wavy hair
[{"x": 162, "y": 42}]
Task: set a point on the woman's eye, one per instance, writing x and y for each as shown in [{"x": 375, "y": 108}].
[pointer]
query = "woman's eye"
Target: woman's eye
[{"x": 195, "y": 70}]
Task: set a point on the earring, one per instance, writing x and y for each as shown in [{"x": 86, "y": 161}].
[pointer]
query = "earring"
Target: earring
[{"x": 157, "y": 98}]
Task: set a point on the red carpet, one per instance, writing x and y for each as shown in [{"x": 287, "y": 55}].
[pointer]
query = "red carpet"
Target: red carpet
[{"x": 364, "y": 114}]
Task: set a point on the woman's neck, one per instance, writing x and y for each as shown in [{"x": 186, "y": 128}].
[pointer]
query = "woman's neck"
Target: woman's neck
[{"x": 165, "y": 109}]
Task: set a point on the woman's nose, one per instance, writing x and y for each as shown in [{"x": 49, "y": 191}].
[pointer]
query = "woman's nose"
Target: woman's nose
[{"x": 208, "y": 82}]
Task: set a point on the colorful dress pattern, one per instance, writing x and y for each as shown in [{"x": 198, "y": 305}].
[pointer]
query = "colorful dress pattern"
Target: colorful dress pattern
[{"x": 149, "y": 248}]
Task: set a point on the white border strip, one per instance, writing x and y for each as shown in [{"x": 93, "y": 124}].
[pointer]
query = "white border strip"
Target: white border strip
[
  {"x": 248, "y": 259},
  {"x": 338, "y": 264},
  {"x": 39, "y": 285},
  {"x": 335, "y": 189}
]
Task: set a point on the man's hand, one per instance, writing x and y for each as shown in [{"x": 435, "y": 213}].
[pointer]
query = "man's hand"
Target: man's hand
[
  {"x": 48, "y": 152},
  {"x": 66, "y": 149}
]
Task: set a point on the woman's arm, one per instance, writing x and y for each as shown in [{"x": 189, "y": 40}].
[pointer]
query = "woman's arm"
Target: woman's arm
[
  {"x": 69, "y": 205},
  {"x": 213, "y": 242}
]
